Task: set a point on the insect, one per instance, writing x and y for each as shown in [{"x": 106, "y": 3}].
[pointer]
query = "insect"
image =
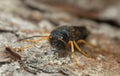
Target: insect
[{"x": 65, "y": 36}]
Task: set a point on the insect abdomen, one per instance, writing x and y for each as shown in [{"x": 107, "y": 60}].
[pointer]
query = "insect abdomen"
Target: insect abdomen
[{"x": 78, "y": 33}]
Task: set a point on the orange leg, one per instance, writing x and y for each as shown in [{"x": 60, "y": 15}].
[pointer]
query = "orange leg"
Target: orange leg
[
  {"x": 33, "y": 42},
  {"x": 36, "y": 40},
  {"x": 25, "y": 47},
  {"x": 73, "y": 53},
  {"x": 87, "y": 43},
  {"x": 82, "y": 52},
  {"x": 67, "y": 46}
]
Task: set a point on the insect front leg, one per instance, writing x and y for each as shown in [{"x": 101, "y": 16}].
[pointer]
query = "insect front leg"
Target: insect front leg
[
  {"x": 33, "y": 43},
  {"x": 25, "y": 47}
]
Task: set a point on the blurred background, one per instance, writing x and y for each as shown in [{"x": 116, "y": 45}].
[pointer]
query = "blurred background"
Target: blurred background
[
  {"x": 58, "y": 11},
  {"x": 25, "y": 18}
]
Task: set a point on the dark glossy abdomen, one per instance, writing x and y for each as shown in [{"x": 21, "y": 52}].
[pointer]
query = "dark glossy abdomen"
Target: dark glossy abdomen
[{"x": 78, "y": 33}]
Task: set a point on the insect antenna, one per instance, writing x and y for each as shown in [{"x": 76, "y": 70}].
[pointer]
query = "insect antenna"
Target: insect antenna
[
  {"x": 33, "y": 42},
  {"x": 32, "y": 37}
]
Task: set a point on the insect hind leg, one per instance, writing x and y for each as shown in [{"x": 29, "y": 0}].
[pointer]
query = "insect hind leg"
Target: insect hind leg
[
  {"x": 93, "y": 46},
  {"x": 34, "y": 42},
  {"x": 82, "y": 52}
]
